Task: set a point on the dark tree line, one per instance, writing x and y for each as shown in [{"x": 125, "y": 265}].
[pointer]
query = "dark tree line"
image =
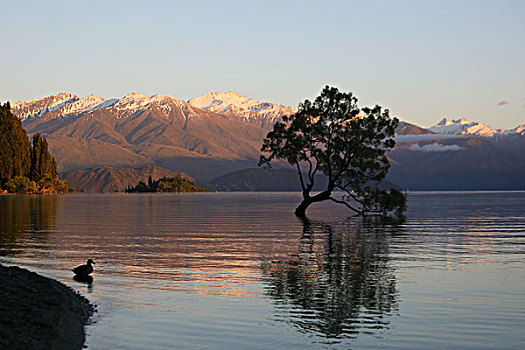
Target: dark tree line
[{"x": 25, "y": 167}]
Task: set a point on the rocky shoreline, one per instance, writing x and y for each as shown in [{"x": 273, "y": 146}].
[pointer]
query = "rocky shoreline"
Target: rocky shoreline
[{"x": 37, "y": 312}]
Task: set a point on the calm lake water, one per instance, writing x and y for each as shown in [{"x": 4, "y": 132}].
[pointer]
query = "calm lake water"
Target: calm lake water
[{"x": 239, "y": 271}]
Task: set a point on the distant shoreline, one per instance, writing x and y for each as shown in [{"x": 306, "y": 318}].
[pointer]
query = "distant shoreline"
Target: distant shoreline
[
  {"x": 215, "y": 192},
  {"x": 37, "y": 312}
]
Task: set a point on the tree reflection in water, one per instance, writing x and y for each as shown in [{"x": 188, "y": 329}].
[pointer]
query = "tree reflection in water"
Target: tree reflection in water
[
  {"x": 25, "y": 219},
  {"x": 341, "y": 282}
]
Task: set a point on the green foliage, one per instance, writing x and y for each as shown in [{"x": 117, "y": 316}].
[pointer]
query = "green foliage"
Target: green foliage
[
  {"x": 43, "y": 165},
  {"x": 383, "y": 201},
  {"x": 173, "y": 184},
  {"x": 141, "y": 187},
  {"x": 25, "y": 168},
  {"x": 50, "y": 184},
  {"x": 20, "y": 184},
  {"x": 348, "y": 144},
  {"x": 14, "y": 146}
]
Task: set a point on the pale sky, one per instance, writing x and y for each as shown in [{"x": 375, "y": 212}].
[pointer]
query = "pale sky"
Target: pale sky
[{"x": 424, "y": 60}]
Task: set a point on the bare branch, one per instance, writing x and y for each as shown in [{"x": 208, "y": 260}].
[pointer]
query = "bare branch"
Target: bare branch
[
  {"x": 353, "y": 195},
  {"x": 346, "y": 204},
  {"x": 300, "y": 176},
  {"x": 310, "y": 166}
]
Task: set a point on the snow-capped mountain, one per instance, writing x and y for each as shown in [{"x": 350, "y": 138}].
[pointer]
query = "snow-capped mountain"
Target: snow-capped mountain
[
  {"x": 136, "y": 102},
  {"x": 462, "y": 126},
  {"x": 82, "y": 105},
  {"x": 233, "y": 104},
  {"x": 138, "y": 130},
  {"x": 40, "y": 106},
  {"x": 226, "y": 103},
  {"x": 63, "y": 104},
  {"x": 517, "y": 130}
]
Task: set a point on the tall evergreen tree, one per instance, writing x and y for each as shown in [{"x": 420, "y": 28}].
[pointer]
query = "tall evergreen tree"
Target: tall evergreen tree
[
  {"x": 43, "y": 165},
  {"x": 34, "y": 173},
  {"x": 25, "y": 168},
  {"x": 15, "y": 149}
]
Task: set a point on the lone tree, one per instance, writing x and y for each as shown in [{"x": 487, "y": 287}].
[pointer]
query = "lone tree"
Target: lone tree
[{"x": 333, "y": 136}]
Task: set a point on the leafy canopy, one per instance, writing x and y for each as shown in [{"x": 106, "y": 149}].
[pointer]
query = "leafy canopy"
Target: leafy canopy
[{"x": 348, "y": 144}]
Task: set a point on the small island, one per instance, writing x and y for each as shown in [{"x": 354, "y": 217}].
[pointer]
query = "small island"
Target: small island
[{"x": 165, "y": 184}]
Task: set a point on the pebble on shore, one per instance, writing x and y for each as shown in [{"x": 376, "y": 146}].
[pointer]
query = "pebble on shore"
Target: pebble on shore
[{"x": 37, "y": 312}]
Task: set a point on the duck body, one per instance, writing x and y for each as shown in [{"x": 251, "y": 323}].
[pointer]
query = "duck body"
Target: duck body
[{"x": 84, "y": 270}]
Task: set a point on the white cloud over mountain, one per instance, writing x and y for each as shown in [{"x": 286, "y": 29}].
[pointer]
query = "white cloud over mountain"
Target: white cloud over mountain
[{"x": 435, "y": 147}]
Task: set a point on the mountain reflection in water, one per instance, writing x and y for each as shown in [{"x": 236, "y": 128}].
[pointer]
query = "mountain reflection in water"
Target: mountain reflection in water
[
  {"x": 341, "y": 282},
  {"x": 240, "y": 271}
]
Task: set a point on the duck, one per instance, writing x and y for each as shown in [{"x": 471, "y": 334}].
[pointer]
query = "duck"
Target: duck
[{"x": 84, "y": 270}]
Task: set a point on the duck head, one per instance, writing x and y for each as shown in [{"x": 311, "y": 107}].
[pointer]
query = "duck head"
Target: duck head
[{"x": 89, "y": 262}]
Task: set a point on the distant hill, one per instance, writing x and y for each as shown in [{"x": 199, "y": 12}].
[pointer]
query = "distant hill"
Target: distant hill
[
  {"x": 274, "y": 180},
  {"x": 257, "y": 179},
  {"x": 462, "y": 163},
  {"x": 107, "y": 179},
  {"x": 405, "y": 128},
  {"x": 513, "y": 143}
]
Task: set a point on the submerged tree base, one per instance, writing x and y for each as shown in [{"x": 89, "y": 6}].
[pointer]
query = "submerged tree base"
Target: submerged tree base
[{"x": 375, "y": 202}]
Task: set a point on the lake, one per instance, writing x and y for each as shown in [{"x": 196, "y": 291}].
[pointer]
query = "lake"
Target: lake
[{"x": 240, "y": 271}]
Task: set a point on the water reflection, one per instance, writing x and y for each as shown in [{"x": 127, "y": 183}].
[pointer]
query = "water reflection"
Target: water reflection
[
  {"x": 191, "y": 266},
  {"x": 25, "y": 218},
  {"x": 87, "y": 279},
  {"x": 340, "y": 283}
]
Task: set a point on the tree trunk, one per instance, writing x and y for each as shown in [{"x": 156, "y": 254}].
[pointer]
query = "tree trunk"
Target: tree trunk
[{"x": 300, "y": 211}]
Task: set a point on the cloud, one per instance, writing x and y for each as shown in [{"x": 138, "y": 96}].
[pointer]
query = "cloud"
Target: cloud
[
  {"x": 434, "y": 147},
  {"x": 503, "y": 103},
  {"x": 427, "y": 137}
]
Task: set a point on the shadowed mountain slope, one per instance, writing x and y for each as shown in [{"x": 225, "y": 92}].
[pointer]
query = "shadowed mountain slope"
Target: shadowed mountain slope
[
  {"x": 257, "y": 179},
  {"x": 221, "y": 133},
  {"x": 467, "y": 163},
  {"x": 139, "y": 130},
  {"x": 107, "y": 179}
]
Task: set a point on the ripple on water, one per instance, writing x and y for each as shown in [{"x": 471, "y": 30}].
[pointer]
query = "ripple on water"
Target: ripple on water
[{"x": 222, "y": 271}]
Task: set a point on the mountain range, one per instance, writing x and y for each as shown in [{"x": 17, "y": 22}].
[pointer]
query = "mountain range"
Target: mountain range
[
  {"x": 461, "y": 126},
  {"x": 139, "y": 130},
  {"x": 221, "y": 132}
]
